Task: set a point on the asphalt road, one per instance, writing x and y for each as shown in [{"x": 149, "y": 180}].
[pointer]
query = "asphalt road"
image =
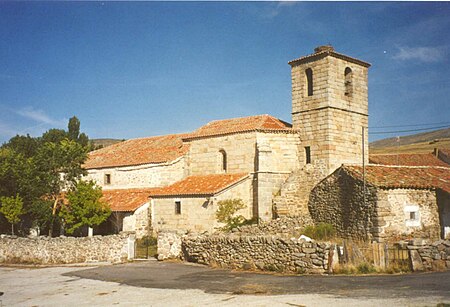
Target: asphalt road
[{"x": 170, "y": 275}]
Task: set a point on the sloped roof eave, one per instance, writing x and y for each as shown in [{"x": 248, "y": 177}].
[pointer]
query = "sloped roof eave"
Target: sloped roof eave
[{"x": 229, "y": 185}]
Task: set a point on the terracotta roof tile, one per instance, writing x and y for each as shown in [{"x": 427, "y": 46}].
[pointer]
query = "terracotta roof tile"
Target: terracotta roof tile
[
  {"x": 200, "y": 185},
  {"x": 156, "y": 149},
  {"x": 407, "y": 160},
  {"x": 419, "y": 177},
  {"x": 127, "y": 200},
  {"x": 242, "y": 124}
]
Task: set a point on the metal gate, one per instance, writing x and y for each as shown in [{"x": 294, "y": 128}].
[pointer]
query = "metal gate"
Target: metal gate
[{"x": 145, "y": 248}]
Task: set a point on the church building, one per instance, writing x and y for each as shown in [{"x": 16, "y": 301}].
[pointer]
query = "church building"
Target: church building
[{"x": 174, "y": 182}]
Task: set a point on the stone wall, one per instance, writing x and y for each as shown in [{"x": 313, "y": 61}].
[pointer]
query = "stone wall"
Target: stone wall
[
  {"x": 141, "y": 176},
  {"x": 394, "y": 207},
  {"x": 204, "y": 155},
  {"x": 139, "y": 222},
  {"x": 429, "y": 256},
  {"x": 338, "y": 200},
  {"x": 383, "y": 216},
  {"x": 265, "y": 253},
  {"x": 63, "y": 250},
  {"x": 329, "y": 120},
  {"x": 198, "y": 214},
  {"x": 292, "y": 199}
]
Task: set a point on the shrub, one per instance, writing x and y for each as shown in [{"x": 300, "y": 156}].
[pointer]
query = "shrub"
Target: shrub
[
  {"x": 227, "y": 210},
  {"x": 321, "y": 231},
  {"x": 366, "y": 268}
]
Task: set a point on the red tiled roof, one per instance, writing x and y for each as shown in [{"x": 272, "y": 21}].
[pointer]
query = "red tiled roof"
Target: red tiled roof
[
  {"x": 200, "y": 185},
  {"x": 242, "y": 124},
  {"x": 407, "y": 160},
  {"x": 156, "y": 149},
  {"x": 425, "y": 177},
  {"x": 127, "y": 200}
]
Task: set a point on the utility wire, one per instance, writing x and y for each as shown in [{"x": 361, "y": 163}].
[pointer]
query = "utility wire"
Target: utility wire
[
  {"x": 415, "y": 125},
  {"x": 410, "y": 130}
]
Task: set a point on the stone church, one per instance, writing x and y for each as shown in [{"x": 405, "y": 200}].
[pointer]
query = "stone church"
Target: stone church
[{"x": 174, "y": 182}]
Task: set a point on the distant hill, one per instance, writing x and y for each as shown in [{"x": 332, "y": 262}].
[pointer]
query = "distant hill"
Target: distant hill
[
  {"x": 105, "y": 142},
  {"x": 415, "y": 143}
]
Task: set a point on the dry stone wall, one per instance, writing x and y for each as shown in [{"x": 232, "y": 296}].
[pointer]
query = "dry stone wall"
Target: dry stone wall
[
  {"x": 429, "y": 256},
  {"x": 64, "y": 250},
  {"x": 338, "y": 200},
  {"x": 265, "y": 253}
]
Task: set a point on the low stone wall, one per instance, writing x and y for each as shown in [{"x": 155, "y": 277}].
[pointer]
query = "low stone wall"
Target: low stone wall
[
  {"x": 169, "y": 245},
  {"x": 429, "y": 256},
  {"x": 286, "y": 227},
  {"x": 265, "y": 253},
  {"x": 64, "y": 250}
]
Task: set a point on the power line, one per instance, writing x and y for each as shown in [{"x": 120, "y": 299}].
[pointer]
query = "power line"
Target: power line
[
  {"x": 415, "y": 125},
  {"x": 410, "y": 130}
]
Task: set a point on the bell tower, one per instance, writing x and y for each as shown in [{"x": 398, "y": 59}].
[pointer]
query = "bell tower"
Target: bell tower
[{"x": 330, "y": 107}]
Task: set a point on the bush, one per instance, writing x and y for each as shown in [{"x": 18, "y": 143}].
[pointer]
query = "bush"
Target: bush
[
  {"x": 321, "y": 231},
  {"x": 366, "y": 268},
  {"x": 227, "y": 210}
]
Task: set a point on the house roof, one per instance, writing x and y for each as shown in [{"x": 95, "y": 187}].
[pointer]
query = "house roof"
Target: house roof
[
  {"x": 157, "y": 149},
  {"x": 200, "y": 185},
  {"x": 323, "y": 51},
  {"x": 415, "y": 177},
  {"x": 242, "y": 124},
  {"x": 427, "y": 159},
  {"x": 126, "y": 200}
]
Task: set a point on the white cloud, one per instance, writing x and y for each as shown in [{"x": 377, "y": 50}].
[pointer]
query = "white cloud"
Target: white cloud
[
  {"x": 39, "y": 116},
  {"x": 424, "y": 54}
]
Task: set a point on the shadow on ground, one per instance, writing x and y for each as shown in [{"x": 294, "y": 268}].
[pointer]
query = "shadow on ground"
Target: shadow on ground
[{"x": 170, "y": 275}]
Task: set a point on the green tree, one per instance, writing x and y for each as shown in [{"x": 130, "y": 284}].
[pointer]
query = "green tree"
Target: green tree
[
  {"x": 85, "y": 207},
  {"x": 25, "y": 145},
  {"x": 226, "y": 213},
  {"x": 12, "y": 209},
  {"x": 60, "y": 167}
]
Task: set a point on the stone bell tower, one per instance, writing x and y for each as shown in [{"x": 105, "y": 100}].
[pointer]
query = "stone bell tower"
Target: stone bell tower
[{"x": 330, "y": 107}]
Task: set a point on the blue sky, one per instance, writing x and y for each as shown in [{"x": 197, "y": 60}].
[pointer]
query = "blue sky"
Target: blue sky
[{"x": 135, "y": 69}]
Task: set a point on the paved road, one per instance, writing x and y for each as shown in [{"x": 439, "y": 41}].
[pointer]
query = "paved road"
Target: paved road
[
  {"x": 167, "y": 275},
  {"x": 174, "y": 284}
]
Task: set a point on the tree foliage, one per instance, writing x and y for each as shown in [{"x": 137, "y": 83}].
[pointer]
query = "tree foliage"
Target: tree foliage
[
  {"x": 226, "y": 212},
  {"x": 12, "y": 209},
  {"x": 85, "y": 207},
  {"x": 40, "y": 169}
]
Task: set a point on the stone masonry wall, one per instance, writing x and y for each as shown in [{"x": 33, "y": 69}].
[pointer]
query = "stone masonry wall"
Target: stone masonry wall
[
  {"x": 293, "y": 197},
  {"x": 265, "y": 253},
  {"x": 204, "y": 154},
  {"x": 329, "y": 120},
  {"x": 198, "y": 214},
  {"x": 426, "y": 256},
  {"x": 393, "y": 216},
  {"x": 338, "y": 200},
  {"x": 141, "y": 176},
  {"x": 63, "y": 250}
]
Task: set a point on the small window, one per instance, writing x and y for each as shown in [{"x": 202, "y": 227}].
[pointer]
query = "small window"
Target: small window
[
  {"x": 348, "y": 74},
  {"x": 223, "y": 164},
  {"x": 178, "y": 207},
  {"x": 309, "y": 81},
  {"x": 107, "y": 178},
  {"x": 308, "y": 154},
  {"x": 412, "y": 216}
]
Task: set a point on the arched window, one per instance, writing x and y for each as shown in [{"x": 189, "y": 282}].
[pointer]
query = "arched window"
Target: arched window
[
  {"x": 348, "y": 74},
  {"x": 309, "y": 81},
  {"x": 223, "y": 157}
]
